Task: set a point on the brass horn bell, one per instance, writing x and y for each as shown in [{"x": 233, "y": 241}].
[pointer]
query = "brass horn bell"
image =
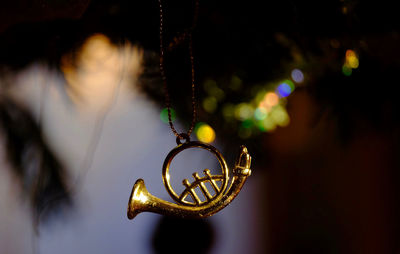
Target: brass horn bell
[{"x": 142, "y": 201}]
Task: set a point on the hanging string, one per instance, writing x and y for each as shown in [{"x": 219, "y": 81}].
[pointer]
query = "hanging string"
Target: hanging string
[{"x": 188, "y": 36}]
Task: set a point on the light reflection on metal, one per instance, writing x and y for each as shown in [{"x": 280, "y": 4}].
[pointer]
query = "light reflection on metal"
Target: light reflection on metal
[{"x": 142, "y": 201}]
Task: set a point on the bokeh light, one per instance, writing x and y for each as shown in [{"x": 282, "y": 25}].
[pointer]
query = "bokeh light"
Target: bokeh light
[
  {"x": 211, "y": 87},
  {"x": 217, "y": 92},
  {"x": 271, "y": 99},
  {"x": 285, "y": 88},
  {"x": 346, "y": 70},
  {"x": 260, "y": 96},
  {"x": 264, "y": 113},
  {"x": 268, "y": 124},
  {"x": 351, "y": 62},
  {"x": 280, "y": 116},
  {"x": 247, "y": 123},
  {"x": 164, "y": 115},
  {"x": 351, "y": 59},
  {"x": 205, "y": 133},
  {"x": 260, "y": 113},
  {"x": 290, "y": 83},
  {"x": 243, "y": 111},
  {"x": 297, "y": 76},
  {"x": 210, "y": 104}
]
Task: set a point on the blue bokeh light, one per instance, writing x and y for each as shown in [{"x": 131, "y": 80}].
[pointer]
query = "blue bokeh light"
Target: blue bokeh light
[{"x": 284, "y": 90}]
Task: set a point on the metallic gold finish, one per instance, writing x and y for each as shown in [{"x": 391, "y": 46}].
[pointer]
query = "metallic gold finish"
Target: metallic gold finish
[{"x": 142, "y": 201}]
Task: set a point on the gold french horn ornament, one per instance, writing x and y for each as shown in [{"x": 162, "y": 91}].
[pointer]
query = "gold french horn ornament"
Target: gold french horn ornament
[{"x": 142, "y": 201}]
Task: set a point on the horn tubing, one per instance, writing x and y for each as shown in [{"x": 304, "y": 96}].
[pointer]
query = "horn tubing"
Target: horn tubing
[{"x": 142, "y": 201}]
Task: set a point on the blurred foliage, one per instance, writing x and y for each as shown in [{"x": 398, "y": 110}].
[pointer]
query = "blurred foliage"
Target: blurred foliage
[{"x": 41, "y": 175}]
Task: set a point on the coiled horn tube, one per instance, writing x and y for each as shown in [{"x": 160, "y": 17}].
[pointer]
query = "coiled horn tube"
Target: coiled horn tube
[{"x": 142, "y": 201}]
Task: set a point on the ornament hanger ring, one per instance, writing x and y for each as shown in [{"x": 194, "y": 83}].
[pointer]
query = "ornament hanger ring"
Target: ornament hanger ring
[
  {"x": 198, "y": 180},
  {"x": 182, "y": 136}
]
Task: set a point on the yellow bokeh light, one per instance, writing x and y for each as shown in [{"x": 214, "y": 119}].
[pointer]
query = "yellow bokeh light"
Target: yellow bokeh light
[
  {"x": 205, "y": 133},
  {"x": 280, "y": 116},
  {"x": 243, "y": 111},
  {"x": 217, "y": 93},
  {"x": 351, "y": 59},
  {"x": 268, "y": 124},
  {"x": 353, "y": 62},
  {"x": 210, "y": 104}
]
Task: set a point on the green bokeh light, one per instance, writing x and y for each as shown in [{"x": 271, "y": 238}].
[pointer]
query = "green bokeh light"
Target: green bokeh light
[
  {"x": 164, "y": 115},
  {"x": 290, "y": 83},
  {"x": 247, "y": 123},
  {"x": 346, "y": 70}
]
